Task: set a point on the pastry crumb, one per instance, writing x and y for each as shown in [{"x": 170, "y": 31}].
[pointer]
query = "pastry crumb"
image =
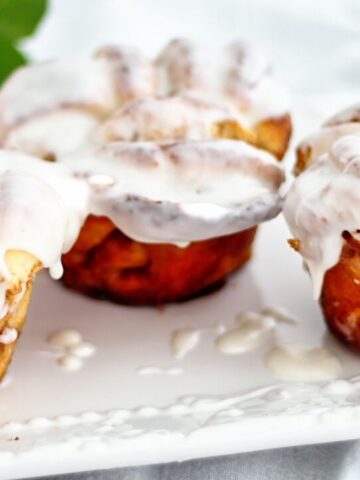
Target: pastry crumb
[{"x": 294, "y": 243}]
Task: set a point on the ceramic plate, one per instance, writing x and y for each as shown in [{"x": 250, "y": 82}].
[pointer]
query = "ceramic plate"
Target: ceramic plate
[{"x": 114, "y": 412}]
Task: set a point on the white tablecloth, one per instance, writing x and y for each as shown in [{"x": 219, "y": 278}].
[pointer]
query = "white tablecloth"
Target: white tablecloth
[{"x": 334, "y": 461}]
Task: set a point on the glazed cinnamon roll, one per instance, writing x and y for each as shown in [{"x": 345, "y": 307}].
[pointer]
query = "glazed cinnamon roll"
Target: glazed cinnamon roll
[
  {"x": 145, "y": 178},
  {"x": 323, "y": 215}
]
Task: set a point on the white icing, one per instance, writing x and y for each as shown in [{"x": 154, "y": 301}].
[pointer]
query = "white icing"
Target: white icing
[
  {"x": 101, "y": 180},
  {"x": 56, "y": 270},
  {"x": 8, "y": 335},
  {"x": 183, "y": 341},
  {"x": 237, "y": 76},
  {"x": 155, "y": 192},
  {"x": 74, "y": 348},
  {"x": 322, "y": 202},
  {"x": 322, "y": 141},
  {"x": 133, "y": 74},
  {"x": 43, "y": 88},
  {"x": 149, "y": 371},
  {"x": 42, "y": 208},
  {"x": 160, "y": 119},
  {"x": 146, "y": 186},
  {"x": 280, "y": 314},
  {"x": 49, "y": 134},
  {"x": 70, "y": 362},
  {"x": 194, "y": 190},
  {"x": 350, "y": 114},
  {"x": 82, "y": 349},
  {"x": 253, "y": 329},
  {"x": 303, "y": 364},
  {"x": 65, "y": 338}
]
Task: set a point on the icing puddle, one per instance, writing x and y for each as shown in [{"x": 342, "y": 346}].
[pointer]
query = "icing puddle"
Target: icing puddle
[
  {"x": 319, "y": 395},
  {"x": 251, "y": 333},
  {"x": 252, "y": 330},
  {"x": 303, "y": 364},
  {"x": 183, "y": 341},
  {"x": 148, "y": 370},
  {"x": 72, "y": 347},
  {"x": 298, "y": 363}
]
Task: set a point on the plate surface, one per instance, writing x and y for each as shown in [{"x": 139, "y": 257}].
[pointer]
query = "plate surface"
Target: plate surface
[{"x": 107, "y": 415}]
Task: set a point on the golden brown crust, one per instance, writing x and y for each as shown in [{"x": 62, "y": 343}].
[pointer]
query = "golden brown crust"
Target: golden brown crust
[
  {"x": 23, "y": 267},
  {"x": 340, "y": 297},
  {"x": 294, "y": 244},
  {"x": 114, "y": 266},
  {"x": 273, "y": 135},
  {"x": 106, "y": 263},
  {"x": 303, "y": 157},
  {"x": 231, "y": 129}
]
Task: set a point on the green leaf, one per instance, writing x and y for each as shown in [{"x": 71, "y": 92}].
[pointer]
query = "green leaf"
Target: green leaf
[
  {"x": 19, "y": 18},
  {"x": 10, "y": 58}
]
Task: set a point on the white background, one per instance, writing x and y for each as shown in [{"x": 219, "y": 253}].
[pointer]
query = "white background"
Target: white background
[{"x": 315, "y": 44}]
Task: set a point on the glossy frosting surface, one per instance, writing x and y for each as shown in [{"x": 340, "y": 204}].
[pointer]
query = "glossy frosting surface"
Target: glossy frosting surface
[{"x": 323, "y": 200}]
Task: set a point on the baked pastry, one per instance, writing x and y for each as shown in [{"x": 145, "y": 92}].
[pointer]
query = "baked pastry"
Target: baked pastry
[
  {"x": 39, "y": 219},
  {"x": 323, "y": 215},
  {"x": 54, "y": 108},
  {"x": 21, "y": 268},
  {"x": 164, "y": 146},
  {"x": 151, "y": 175},
  {"x": 106, "y": 263}
]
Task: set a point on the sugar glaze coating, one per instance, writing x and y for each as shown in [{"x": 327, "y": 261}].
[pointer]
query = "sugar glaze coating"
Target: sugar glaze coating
[
  {"x": 323, "y": 200},
  {"x": 149, "y": 130}
]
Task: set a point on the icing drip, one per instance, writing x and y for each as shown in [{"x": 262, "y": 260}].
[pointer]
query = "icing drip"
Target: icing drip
[
  {"x": 70, "y": 362},
  {"x": 150, "y": 371},
  {"x": 74, "y": 349},
  {"x": 56, "y": 270},
  {"x": 8, "y": 335},
  {"x": 252, "y": 330},
  {"x": 65, "y": 338},
  {"x": 183, "y": 341},
  {"x": 321, "y": 203},
  {"x": 193, "y": 190},
  {"x": 43, "y": 202}
]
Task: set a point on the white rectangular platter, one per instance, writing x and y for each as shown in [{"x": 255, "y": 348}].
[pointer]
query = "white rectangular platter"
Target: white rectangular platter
[{"x": 108, "y": 415}]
